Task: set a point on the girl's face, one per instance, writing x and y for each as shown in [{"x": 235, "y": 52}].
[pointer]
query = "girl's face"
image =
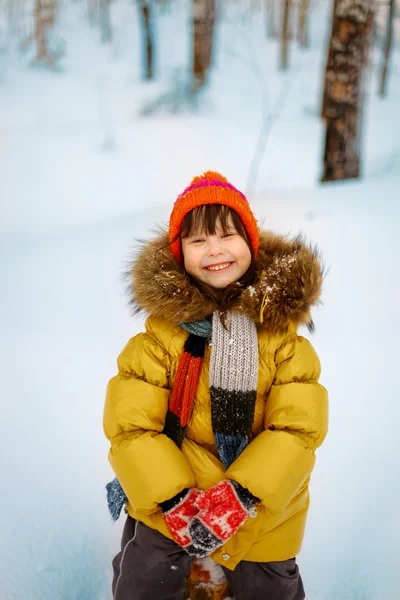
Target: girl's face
[{"x": 216, "y": 260}]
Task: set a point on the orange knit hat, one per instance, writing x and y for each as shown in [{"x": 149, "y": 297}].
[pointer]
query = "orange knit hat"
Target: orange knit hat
[{"x": 211, "y": 188}]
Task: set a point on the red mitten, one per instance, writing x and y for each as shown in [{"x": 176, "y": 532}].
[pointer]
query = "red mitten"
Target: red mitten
[
  {"x": 177, "y": 513},
  {"x": 222, "y": 510}
]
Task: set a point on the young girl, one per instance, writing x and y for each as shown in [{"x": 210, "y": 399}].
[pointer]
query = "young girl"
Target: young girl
[{"x": 216, "y": 411}]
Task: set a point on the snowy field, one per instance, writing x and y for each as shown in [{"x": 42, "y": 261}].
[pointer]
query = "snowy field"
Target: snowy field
[{"x": 86, "y": 167}]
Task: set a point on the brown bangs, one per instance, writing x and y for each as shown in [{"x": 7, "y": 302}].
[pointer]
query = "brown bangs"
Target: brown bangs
[{"x": 203, "y": 219}]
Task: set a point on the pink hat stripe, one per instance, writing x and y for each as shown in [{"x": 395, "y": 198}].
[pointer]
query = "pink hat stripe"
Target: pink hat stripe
[{"x": 212, "y": 183}]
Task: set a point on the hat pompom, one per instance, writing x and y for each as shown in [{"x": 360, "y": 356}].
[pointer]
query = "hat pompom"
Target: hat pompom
[{"x": 209, "y": 176}]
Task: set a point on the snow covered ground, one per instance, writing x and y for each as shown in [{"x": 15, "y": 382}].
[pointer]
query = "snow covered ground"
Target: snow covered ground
[{"x": 84, "y": 173}]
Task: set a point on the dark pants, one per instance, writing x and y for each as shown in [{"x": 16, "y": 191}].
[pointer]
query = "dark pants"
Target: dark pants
[{"x": 151, "y": 566}]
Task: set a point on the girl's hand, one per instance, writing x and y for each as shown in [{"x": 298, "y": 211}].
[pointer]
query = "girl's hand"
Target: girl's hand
[
  {"x": 177, "y": 513},
  {"x": 222, "y": 511}
]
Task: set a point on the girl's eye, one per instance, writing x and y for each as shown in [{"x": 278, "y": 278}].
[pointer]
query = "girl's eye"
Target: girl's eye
[
  {"x": 197, "y": 241},
  {"x": 228, "y": 234}
]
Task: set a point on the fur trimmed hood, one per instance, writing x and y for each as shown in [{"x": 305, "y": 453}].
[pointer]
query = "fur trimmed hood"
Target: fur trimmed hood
[{"x": 288, "y": 283}]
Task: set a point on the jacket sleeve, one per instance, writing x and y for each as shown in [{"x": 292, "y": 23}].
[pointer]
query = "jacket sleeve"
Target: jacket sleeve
[
  {"x": 278, "y": 461},
  {"x": 148, "y": 464}
]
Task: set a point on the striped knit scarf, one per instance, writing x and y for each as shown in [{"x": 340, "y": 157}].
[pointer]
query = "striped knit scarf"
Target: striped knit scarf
[{"x": 233, "y": 383}]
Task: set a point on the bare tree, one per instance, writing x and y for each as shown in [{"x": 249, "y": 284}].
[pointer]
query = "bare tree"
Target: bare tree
[
  {"x": 13, "y": 13},
  {"x": 44, "y": 16},
  {"x": 51, "y": 7},
  {"x": 93, "y": 11},
  {"x": 203, "y": 34},
  {"x": 302, "y": 30},
  {"x": 344, "y": 82},
  {"x": 285, "y": 35},
  {"x": 147, "y": 34},
  {"x": 105, "y": 23},
  {"x": 271, "y": 24},
  {"x": 388, "y": 47}
]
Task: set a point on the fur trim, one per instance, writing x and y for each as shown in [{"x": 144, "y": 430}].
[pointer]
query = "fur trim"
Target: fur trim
[{"x": 288, "y": 283}]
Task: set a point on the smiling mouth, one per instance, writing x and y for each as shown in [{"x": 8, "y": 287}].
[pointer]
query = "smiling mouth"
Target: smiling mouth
[{"x": 220, "y": 267}]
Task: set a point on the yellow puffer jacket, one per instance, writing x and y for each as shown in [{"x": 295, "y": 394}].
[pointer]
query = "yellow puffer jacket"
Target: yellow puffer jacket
[{"x": 291, "y": 411}]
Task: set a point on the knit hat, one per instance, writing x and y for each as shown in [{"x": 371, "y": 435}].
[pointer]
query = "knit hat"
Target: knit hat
[{"x": 211, "y": 188}]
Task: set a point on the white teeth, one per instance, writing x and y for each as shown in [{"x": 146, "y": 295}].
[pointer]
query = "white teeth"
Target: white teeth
[{"x": 218, "y": 267}]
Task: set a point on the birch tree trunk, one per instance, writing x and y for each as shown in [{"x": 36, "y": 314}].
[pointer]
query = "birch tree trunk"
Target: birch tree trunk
[
  {"x": 93, "y": 11},
  {"x": 203, "y": 34},
  {"x": 44, "y": 14},
  {"x": 302, "y": 31},
  {"x": 51, "y": 12},
  {"x": 285, "y": 33},
  {"x": 148, "y": 43},
  {"x": 388, "y": 47},
  {"x": 105, "y": 23},
  {"x": 271, "y": 28},
  {"x": 344, "y": 83},
  {"x": 12, "y": 16}
]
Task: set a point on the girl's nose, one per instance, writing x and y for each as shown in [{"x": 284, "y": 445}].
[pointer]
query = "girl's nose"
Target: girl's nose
[{"x": 214, "y": 248}]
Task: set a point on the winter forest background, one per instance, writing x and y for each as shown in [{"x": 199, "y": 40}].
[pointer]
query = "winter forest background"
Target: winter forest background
[{"x": 107, "y": 110}]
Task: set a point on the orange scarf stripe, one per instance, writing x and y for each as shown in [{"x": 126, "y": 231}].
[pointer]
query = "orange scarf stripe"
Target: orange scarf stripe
[
  {"x": 184, "y": 390},
  {"x": 179, "y": 384},
  {"x": 190, "y": 389}
]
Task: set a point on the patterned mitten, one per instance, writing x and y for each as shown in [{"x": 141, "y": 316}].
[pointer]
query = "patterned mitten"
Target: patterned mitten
[
  {"x": 116, "y": 498},
  {"x": 177, "y": 513},
  {"x": 222, "y": 510}
]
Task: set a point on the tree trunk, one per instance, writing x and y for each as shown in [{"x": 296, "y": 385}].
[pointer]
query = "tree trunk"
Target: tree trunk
[
  {"x": 272, "y": 30},
  {"x": 12, "y": 11},
  {"x": 93, "y": 11},
  {"x": 203, "y": 33},
  {"x": 344, "y": 83},
  {"x": 43, "y": 18},
  {"x": 148, "y": 44},
  {"x": 302, "y": 32},
  {"x": 388, "y": 47},
  {"x": 285, "y": 33},
  {"x": 105, "y": 23},
  {"x": 51, "y": 12}
]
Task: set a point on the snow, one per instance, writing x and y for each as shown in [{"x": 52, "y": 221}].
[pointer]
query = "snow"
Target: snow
[{"x": 84, "y": 174}]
